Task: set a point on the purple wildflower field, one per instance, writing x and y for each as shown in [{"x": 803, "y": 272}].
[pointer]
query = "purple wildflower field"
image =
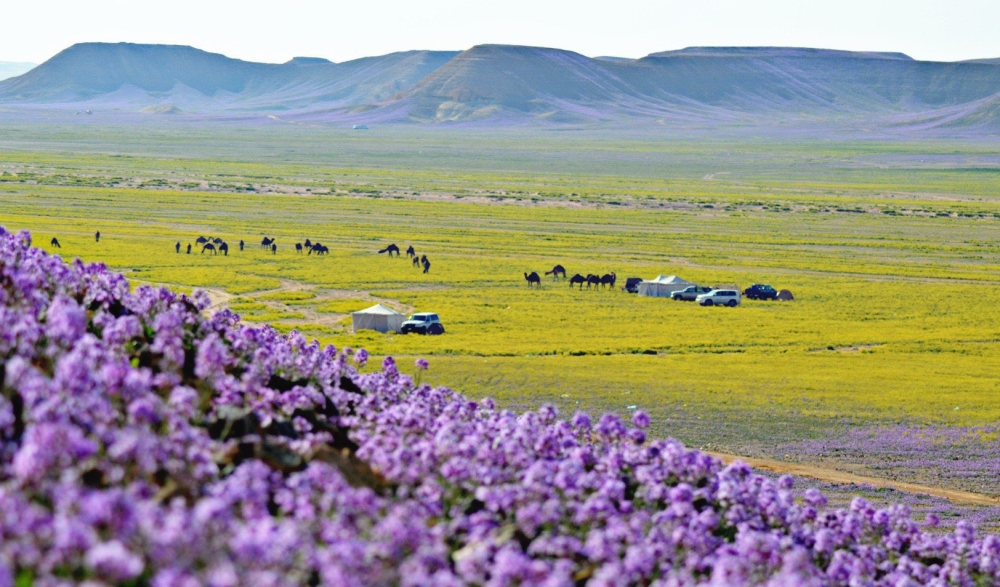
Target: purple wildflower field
[{"x": 143, "y": 443}]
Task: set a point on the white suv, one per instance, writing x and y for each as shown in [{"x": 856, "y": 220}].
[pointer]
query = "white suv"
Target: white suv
[{"x": 720, "y": 297}]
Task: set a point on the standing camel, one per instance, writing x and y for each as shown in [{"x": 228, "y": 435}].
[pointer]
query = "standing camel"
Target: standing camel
[
  {"x": 97, "y": 236},
  {"x": 427, "y": 265},
  {"x": 556, "y": 271},
  {"x": 609, "y": 279},
  {"x": 298, "y": 248},
  {"x": 189, "y": 249},
  {"x": 200, "y": 240},
  {"x": 55, "y": 243},
  {"x": 177, "y": 247},
  {"x": 593, "y": 280},
  {"x": 209, "y": 247},
  {"x": 533, "y": 279},
  {"x": 309, "y": 244},
  {"x": 224, "y": 248},
  {"x": 410, "y": 252},
  {"x": 266, "y": 242},
  {"x": 241, "y": 244},
  {"x": 390, "y": 249},
  {"x": 577, "y": 279}
]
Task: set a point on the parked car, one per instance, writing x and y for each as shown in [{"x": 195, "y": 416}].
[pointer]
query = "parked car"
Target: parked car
[
  {"x": 632, "y": 284},
  {"x": 423, "y": 323},
  {"x": 689, "y": 294},
  {"x": 720, "y": 297},
  {"x": 759, "y": 291}
]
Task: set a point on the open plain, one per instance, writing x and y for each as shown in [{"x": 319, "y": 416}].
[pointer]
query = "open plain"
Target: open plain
[{"x": 884, "y": 366}]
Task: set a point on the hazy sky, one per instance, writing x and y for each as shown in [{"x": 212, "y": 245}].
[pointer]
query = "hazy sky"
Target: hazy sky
[{"x": 275, "y": 31}]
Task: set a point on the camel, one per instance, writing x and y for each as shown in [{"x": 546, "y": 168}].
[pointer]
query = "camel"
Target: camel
[
  {"x": 201, "y": 240},
  {"x": 298, "y": 248},
  {"x": 209, "y": 247},
  {"x": 266, "y": 242},
  {"x": 97, "y": 236},
  {"x": 577, "y": 279},
  {"x": 533, "y": 279},
  {"x": 558, "y": 269},
  {"x": 427, "y": 265},
  {"x": 321, "y": 249},
  {"x": 224, "y": 249},
  {"x": 410, "y": 252},
  {"x": 593, "y": 280},
  {"x": 218, "y": 241},
  {"x": 189, "y": 249},
  {"x": 309, "y": 244},
  {"x": 416, "y": 261},
  {"x": 274, "y": 248},
  {"x": 390, "y": 249},
  {"x": 609, "y": 279},
  {"x": 241, "y": 245},
  {"x": 55, "y": 243},
  {"x": 177, "y": 247}
]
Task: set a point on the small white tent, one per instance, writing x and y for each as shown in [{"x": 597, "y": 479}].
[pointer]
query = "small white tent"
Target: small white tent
[
  {"x": 378, "y": 317},
  {"x": 662, "y": 286}
]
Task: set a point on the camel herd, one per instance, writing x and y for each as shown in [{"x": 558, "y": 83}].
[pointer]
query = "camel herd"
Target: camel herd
[
  {"x": 418, "y": 261},
  {"x": 608, "y": 279}
]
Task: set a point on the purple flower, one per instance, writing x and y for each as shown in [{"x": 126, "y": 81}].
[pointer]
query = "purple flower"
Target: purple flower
[
  {"x": 640, "y": 419},
  {"x": 361, "y": 357},
  {"x": 422, "y": 364}
]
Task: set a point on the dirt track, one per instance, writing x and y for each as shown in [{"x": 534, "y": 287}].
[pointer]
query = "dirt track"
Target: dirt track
[{"x": 834, "y": 476}]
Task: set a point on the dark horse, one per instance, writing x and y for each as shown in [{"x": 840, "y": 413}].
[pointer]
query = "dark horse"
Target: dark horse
[
  {"x": 609, "y": 279},
  {"x": 577, "y": 279},
  {"x": 593, "y": 280},
  {"x": 390, "y": 249},
  {"x": 556, "y": 271},
  {"x": 177, "y": 247},
  {"x": 266, "y": 242},
  {"x": 410, "y": 252},
  {"x": 55, "y": 242},
  {"x": 224, "y": 248},
  {"x": 533, "y": 279},
  {"x": 209, "y": 247}
]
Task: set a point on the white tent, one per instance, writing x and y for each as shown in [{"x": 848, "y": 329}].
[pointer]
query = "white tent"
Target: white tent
[
  {"x": 380, "y": 318},
  {"x": 662, "y": 286}
]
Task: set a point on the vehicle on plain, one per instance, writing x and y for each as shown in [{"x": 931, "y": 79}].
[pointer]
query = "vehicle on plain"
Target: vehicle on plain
[
  {"x": 423, "y": 323},
  {"x": 760, "y": 291},
  {"x": 690, "y": 294},
  {"x": 632, "y": 285},
  {"x": 720, "y": 297}
]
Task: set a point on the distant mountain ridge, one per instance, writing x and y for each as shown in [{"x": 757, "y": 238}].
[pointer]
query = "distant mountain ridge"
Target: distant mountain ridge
[
  {"x": 9, "y": 69},
  {"x": 505, "y": 84}
]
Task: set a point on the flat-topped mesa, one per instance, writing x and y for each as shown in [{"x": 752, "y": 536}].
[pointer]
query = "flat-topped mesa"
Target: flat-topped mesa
[{"x": 762, "y": 52}]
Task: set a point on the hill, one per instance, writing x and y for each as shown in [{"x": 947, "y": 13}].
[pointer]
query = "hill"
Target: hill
[
  {"x": 696, "y": 87},
  {"x": 9, "y": 69}
]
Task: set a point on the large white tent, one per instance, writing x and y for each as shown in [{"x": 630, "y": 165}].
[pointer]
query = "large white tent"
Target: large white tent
[
  {"x": 378, "y": 317},
  {"x": 662, "y": 286}
]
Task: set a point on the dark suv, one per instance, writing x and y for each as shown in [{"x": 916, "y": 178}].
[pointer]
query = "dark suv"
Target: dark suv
[
  {"x": 688, "y": 294},
  {"x": 632, "y": 284},
  {"x": 760, "y": 291}
]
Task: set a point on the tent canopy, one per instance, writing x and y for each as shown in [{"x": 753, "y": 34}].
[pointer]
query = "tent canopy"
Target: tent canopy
[
  {"x": 378, "y": 317},
  {"x": 663, "y": 286}
]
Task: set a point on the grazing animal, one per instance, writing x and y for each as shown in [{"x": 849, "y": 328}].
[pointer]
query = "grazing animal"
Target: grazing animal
[
  {"x": 427, "y": 265},
  {"x": 593, "y": 280},
  {"x": 321, "y": 249},
  {"x": 97, "y": 236},
  {"x": 410, "y": 252},
  {"x": 201, "y": 240},
  {"x": 416, "y": 261},
  {"x": 274, "y": 248},
  {"x": 209, "y": 247},
  {"x": 218, "y": 241},
  {"x": 390, "y": 249},
  {"x": 189, "y": 249},
  {"x": 55, "y": 242},
  {"x": 577, "y": 279},
  {"x": 298, "y": 248},
  {"x": 266, "y": 242},
  {"x": 556, "y": 271},
  {"x": 224, "y": 248},
  {"x": 609, "y": 279},
  {"x": 241, "y": 245},
  {"x": 177, "y": 247},
  {"x": 533, "y": 279},
  {"x": 309, "y": 244}
]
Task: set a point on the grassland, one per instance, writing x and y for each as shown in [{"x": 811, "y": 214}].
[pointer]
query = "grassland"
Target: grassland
[{"x": 890, "y": 248}]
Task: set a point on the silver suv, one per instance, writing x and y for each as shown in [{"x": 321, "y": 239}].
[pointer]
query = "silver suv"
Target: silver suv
[
  {"x": 689, "y": 294},
  {"x": 423, "y": 323},
  {"x": 720, "y": 297}
]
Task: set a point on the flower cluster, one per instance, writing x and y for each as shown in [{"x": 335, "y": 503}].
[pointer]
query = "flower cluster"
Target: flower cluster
[{"x": 143, "y": 443}]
